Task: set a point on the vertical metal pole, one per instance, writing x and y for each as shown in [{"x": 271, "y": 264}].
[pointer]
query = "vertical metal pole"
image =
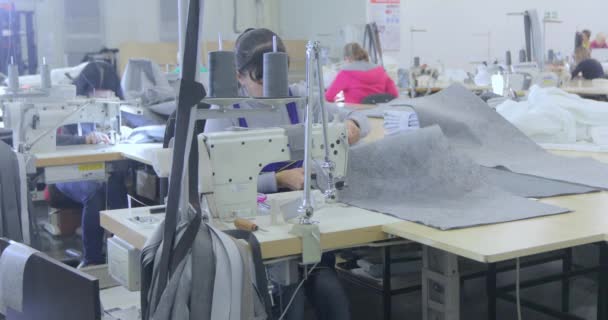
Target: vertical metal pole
[
  {"x": 491, "y": 290},
  {"x": 306, "y": 208},
  {"x": 386, "y": 284},
  {"x": 330, "y": 191},
  {"x": 566, "y": 267},
  {"x": 602, "y": 293}
]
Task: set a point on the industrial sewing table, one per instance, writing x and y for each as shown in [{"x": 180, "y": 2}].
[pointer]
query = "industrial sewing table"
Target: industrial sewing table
[
  {"x": 343, "y": 226},
  {"x": 585, "y": 88},
  {"x": 89, "y": 162},
  {"x": 85, "y": 154}
]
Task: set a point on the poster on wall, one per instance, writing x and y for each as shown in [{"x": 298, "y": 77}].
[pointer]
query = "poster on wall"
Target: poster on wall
[{"x": 386, "y": 14}]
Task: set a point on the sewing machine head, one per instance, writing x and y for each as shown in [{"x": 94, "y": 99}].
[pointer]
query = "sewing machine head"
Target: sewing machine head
[
  {"x": 230, "y": 162},
  {"x": 34, "y": 121}
]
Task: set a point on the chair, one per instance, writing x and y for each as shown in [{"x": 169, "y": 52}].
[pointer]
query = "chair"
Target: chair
[{"x": 377, "y": 98}]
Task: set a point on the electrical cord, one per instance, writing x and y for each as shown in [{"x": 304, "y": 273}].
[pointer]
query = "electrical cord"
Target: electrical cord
[
  {"x": 293, "y": 296},
  {"x": 517, "y": 296}
]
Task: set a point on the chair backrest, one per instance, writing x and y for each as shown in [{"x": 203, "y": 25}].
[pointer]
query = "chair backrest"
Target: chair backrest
[
  {"x": 43, "y": 279},
  {"x": 10, "y": 197},
  {"x": 377, "y": 98}
]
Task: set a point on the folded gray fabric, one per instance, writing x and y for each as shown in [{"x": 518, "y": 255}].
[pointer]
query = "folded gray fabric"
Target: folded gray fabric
[
  {"x": 482, "y": 134},
  {"x": 530, "y": 186},
  {"x": 418, "y": 177}
]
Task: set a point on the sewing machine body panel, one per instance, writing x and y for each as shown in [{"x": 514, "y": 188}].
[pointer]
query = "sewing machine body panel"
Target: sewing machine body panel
[{"x": 235, "y": 158}]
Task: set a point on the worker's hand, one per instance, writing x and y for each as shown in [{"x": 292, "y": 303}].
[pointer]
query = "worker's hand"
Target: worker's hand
[
  {"x": 97, "y": 137},
  {"x": 354, "y": 132},
  {"x": 292, "y": 179}
]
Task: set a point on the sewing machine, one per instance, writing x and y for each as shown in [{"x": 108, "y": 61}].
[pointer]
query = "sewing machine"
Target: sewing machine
[
  {"x": 34, "y": 121},
  {"x": 230, "y": 162}
]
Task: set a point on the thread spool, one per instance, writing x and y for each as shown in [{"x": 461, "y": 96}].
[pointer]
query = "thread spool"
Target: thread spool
[
  {"x": 275, "y": 73},
  {"x": 416, "y": 62},
  {"x": 13, "y": 76},
  {"x": 45, "y": 75},
  {"x": 222, "y": 75},
  {"x": 508, "y": 58},
  {"x": 244, "y": 224},
  {"x": 522, "y": 56}
]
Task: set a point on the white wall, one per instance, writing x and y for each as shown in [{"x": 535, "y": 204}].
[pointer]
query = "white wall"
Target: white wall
[
  {"x": 320, "y": 19},
  {"x": 451, "y": 25},
  {"x": 305, "y": 19},
  {"x": 131, "y": 20},
  {"x": 50, "y": 31}
]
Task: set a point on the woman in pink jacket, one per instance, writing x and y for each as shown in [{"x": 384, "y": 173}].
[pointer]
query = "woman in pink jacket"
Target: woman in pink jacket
[{"x": 359, "y": 78}]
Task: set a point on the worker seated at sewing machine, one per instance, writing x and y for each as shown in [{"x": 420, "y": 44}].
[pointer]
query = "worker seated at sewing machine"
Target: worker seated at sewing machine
[
  {"x": 323, "y": 287},
  {"x": 359, "y": 78},
  {"x": 98, "y": 79},
  {"x": 586, "y": 66},
  {"x": 151, "y": 98}
]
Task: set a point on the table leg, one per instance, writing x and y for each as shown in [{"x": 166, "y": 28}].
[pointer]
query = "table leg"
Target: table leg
[
  {"x": 386, "y": 283},
  {"x": 566, "y": 267},
  {"x": 440, "y": 285},
  {"x": 491, "y": 290},
  {"x": 602, "y": 293}
]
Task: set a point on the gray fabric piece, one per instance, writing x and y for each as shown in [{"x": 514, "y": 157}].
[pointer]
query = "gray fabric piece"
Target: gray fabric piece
[
  {"x": 202, "y": 282},
  {"x": 419, "y": 177},
  {"x": 10, "y": 184},
  {"x": 518, "y": 184},
  {"x": 12, "y": 270},
  {"x": 491, "y": 141},
  {"x": 235, "y": 272},
  {"x": 144, "y": 80},
  {"x": 166, "y": 304},
  {"x": 222, "y": 285},
  {"x": 163, "y": 108},
  {"x": 247, "y": 293},
  {"x": 530, "y": 186},
  {"x": 181, "y": 304}
]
